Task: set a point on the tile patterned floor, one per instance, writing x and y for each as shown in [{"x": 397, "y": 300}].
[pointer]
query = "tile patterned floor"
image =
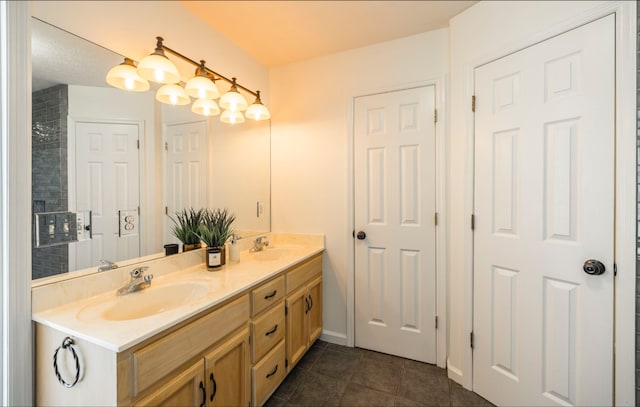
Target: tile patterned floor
[{"x": 332, "y": 375}]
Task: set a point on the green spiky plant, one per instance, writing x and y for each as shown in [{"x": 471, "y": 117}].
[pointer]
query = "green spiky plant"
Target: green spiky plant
[
  {"x": 215, "y": 228},
  {"x": 186, "y": 225}
]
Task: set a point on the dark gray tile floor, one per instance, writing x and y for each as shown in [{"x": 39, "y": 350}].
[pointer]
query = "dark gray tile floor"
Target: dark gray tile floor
[{"x": 332, "y": 375}]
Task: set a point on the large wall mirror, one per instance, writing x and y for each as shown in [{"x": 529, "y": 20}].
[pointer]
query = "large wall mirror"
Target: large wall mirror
[{"x": 110, "y": 166}]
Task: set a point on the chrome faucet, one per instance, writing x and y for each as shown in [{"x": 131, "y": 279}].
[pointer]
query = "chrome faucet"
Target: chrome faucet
[
  {"x": 107, "y": 265},
  {"x": 138, "y": 281},
  {"x": 259, "y": 243}
]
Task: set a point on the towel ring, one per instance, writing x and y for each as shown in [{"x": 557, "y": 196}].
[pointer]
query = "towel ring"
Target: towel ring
[{"x": 66, "y": 344}]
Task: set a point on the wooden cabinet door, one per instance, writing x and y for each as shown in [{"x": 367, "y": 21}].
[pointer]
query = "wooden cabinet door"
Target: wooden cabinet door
[
  {"x": 297, "y": 338},
  {"x": 228, "y": 370},
  {"x": 185, "y": 389},
  {"x": 314, "y": 316}
]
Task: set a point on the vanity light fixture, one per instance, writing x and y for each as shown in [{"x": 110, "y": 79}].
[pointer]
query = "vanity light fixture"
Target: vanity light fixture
[
  {"x": 232, "y": 117},
  {"x": 124, "y": 76},
  {"x": 205, "y": 107},
  {"x": 157, "y": 67},
  {"x": 172, "y": 94},
  {"x": 257, "y": 111},
  {"x": 233, "y": 100},
  {"x": 201, "y": 86}
]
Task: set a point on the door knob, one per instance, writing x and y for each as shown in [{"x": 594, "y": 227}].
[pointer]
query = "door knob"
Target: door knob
[
  {"x": 361, "y": 235},
  {"x": 593, "y": 267}
]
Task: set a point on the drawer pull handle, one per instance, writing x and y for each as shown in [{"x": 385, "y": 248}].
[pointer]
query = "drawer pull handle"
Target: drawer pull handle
[
  {"x": 272, "y": 331},
  {"x": 273, "y": 294},
  {"x": 272, "y": 372},
  {"x": 215, "y": 386},
  {"x": 204, "y": 394}
]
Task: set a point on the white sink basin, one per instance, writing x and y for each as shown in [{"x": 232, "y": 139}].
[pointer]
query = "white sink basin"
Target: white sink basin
[
  {"x": 145, "y": 303},
  {"x": 275, "y": 253}
]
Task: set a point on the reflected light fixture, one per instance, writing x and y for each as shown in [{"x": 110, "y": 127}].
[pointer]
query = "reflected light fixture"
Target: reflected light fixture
[
  {"x": 233, "y": 100},
  {"x": 257, "y": 111},
  {"x": 205, "y": 107},
  {"x": 172, "y": 94},
  {"x": 201, "y": 86},
  {"x": 232, "y": 117},
  {"x": 124, "y": 76},
  {"x": 157, "y": 67}
]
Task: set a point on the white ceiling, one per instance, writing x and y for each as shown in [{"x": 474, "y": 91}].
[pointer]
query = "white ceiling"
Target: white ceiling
[{"x": 282, "y": 32}]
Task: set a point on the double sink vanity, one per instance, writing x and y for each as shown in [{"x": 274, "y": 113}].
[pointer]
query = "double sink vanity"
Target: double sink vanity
[{"x": 193, "y": 337}]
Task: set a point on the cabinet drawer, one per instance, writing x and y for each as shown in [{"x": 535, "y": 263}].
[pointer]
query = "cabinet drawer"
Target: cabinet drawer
[
  {"x": 155, "y": 361},
  {"x": 266, "y": 295},
  {"x": 268, "y": 374},
  {"x": 303, "y": 273},
  {"x": 267, "y": 331}
]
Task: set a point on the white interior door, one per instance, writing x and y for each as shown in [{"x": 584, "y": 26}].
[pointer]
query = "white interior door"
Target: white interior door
[
  {"x": 186, "y": 170},
  {"x": 544, "y": 204},
  {"x": 107, "y": 181},
  {"x": 394, "y": 181}
]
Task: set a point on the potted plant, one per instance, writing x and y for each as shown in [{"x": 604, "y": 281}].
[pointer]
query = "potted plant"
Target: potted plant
[
  {"x": 214, "y": 231},
  {"x": 185, "y": 227}
]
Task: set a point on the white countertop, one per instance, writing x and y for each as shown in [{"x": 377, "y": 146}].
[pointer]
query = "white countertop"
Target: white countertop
[{"x": 80, "y": 318}]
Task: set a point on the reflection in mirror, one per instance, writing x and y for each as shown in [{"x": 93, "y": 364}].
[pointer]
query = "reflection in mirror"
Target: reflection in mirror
[{"x": 108, "y": 166}]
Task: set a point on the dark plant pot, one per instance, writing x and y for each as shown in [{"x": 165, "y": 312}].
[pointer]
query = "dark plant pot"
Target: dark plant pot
[
  {"x": 170, "y": 249},
  {"x": 215, "y": 257},
  {"x": 188, "y": 247}
]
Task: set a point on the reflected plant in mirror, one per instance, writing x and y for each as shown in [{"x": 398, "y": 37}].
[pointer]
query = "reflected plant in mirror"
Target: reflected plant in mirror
[
  {"x": 186, "y": 227},
  {"x": 109, "y": 166}
]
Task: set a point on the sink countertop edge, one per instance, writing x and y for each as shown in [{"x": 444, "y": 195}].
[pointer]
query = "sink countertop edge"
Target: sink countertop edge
[{"x": 60, "y": 318}]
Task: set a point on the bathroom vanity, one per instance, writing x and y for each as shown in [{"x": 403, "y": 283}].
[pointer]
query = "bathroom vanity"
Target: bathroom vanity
[{"x": 194, "y": 337}]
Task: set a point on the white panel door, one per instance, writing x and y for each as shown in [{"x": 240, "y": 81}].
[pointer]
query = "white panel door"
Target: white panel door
[
  {"x": 186, "y": 170},
  {"x": 107, "y": 181},
  {"x": 394, "y": 181},
  {"x": 544, "y": 191}
]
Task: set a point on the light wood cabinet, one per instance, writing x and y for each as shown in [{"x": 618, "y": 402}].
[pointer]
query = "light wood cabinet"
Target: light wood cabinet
[
  {"x": 185, "y": 389},
  {"x": 227, "y": 372},
  {"x": 303, "y": 309}
]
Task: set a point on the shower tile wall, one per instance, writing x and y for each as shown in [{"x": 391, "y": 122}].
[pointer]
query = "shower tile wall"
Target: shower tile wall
[{"x": 49, "y": 171}]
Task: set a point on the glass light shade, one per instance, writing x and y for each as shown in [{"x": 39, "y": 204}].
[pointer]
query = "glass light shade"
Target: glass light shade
[
  {"x": 172, "y": 94},
  {"x": 232, "y": 100},
  {"x": 201, "y": 87},
  {"x": 205, "y": 107},
  {"x": 158, "y": 68},
  {"x": 125, "y": 77},
  {"x": 257, "y": 111},
  {"x": 231, "y": 117}
]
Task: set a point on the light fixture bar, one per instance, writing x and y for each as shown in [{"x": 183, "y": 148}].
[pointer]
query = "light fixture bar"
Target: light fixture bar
[{"x": 209, "y": 71}]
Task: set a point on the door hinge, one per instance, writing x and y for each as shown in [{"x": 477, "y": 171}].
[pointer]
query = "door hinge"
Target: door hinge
[
  {"x": 615, "y": 269},
  {"x": 471, "y": 339},
  {"x": 473, "y": 221},
  {"x": 435, "y": 218},
  {"x": 473, "y": 103},
  {"x": 138, "y": 211},
  {"x": 435, "y": 115},
  {"x": 166, "y": 210},
  {"x": 138, "y": 144},
  {"x": 166, "y": 146},
  {"x": 436, "y": 322}
]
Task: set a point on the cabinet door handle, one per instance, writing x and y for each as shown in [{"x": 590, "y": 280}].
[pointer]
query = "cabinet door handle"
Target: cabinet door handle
[
  {"x": 272, "y": 372},
  {"x": 310, "y": 302},
  {"x": 215, "y": 386},
  {"x": 204, "y": 394},
  {"x": 307, "y": 308},
  {"x": 273, "y": 294},
  {"x": 272, "y": 331}
]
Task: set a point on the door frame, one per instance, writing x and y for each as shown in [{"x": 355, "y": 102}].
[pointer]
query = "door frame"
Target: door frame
[
  {"x": 441, "y": 129},
  {"x": 625, "y": 190},
  {"x": 71, "y": 176}
]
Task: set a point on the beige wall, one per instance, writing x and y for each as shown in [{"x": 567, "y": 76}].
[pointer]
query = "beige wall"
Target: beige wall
[{"x": 311, "y": 107}]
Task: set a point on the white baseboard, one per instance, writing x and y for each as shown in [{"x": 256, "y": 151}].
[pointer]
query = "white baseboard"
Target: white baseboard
[
  {"x": 454, "y": 373},
  {"x": 334, "y": 337}
]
